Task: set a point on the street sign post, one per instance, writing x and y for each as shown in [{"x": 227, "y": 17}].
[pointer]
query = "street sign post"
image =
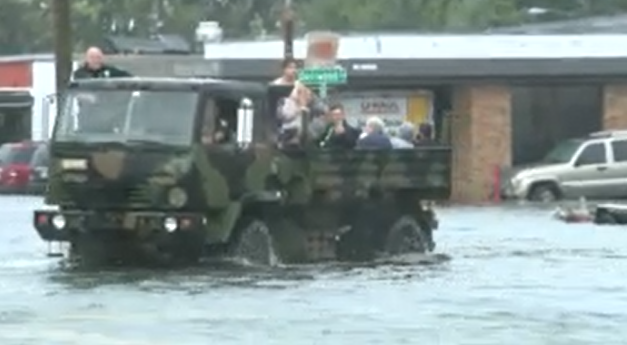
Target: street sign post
[{"x": 322, "y": 77}]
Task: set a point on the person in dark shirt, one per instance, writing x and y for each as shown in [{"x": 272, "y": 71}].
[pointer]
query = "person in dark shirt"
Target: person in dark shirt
[
  {"x": 375, "y": 137},
  {"x": 425, "y": 135},
  {"x": 289, "y": 69},
  {"x": 338, "y": 134},
  {"x": 94, "y": 67}
]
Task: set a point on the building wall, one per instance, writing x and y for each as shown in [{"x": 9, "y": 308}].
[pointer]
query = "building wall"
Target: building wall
[
  {"x": 481, "y": 139},
  {"x": 615, "y": 106}
]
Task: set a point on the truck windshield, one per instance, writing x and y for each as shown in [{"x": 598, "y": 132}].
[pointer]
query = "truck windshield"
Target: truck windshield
[
  {"x": 563, "y": 152},
  {"x": 125, "y": 115}
]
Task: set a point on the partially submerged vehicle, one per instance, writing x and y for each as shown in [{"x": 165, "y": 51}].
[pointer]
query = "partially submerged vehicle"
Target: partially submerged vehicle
[
  {"x": 610, "y": 214},
  {"x": 135, "y": 177}
]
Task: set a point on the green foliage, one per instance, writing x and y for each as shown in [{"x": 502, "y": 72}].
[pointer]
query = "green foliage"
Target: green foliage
[{"x": 25, "y": 24}]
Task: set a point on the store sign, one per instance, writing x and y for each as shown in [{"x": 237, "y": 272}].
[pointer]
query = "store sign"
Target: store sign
[
  {"x": 380, "y": 107},
  {"x": 392, "y": 110}
]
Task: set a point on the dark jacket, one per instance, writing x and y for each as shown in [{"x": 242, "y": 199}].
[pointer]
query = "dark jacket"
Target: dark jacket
[
  {"x": 377, "y": 141},
  {"x": 346, "y": 140},
  {"x": 105, "y": 71}
]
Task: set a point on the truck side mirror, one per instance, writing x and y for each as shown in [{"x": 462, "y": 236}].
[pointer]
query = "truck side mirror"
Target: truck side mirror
[
  {"x": 49, "y": 108},
  {"x": 245, "y": 114},
  {"x": 51, "y": 98}
]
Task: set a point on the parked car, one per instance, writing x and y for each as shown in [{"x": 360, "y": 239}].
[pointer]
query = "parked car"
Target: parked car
[
  {"x": 594, "y": 167},
  {"x": 15, "y": 166},
  {"x": 39, "y": 170}
]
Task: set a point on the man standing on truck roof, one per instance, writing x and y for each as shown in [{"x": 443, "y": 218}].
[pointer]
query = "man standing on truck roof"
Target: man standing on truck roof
[{"x": 94, "y": 67}]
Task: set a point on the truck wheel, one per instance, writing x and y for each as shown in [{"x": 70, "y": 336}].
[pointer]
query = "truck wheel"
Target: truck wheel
[
  {"x": 254, "y": 245},
  {"x": 545, "y": 192},
  {"x": 407, "y": 236}
]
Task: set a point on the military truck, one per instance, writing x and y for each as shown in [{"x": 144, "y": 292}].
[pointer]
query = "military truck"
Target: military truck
[{"x": 176, "y": 170}]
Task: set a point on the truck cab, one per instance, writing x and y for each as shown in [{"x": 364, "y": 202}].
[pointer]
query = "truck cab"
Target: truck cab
[{"x": 128, "y": 154}]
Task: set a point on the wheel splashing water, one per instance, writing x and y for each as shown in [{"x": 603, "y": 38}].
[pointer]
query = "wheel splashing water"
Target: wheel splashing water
[{"x": 255, "y": 246}]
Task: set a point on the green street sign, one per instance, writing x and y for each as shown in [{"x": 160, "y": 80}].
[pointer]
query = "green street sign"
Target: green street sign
[{"x": 323, "y": 76}]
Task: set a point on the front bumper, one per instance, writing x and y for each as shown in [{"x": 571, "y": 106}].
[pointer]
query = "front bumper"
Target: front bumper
[
  {"x": 52, "y": 225},
  {"x": 511, "y": 192}
]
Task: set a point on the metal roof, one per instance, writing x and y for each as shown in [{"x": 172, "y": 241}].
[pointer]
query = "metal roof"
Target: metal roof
[
  {"x": 429, "y": 71},
  {"x": 408, "y": 46}
]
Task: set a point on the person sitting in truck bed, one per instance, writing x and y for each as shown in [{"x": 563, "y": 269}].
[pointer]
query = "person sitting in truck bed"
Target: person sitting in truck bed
[
  {"x": 374, "y": 135},
  {"x": 425, "y": 135},
  {"x": 404, "y": 138},
  {"x": 338, "y": 134},
  {"x": 300, "y": 103}
]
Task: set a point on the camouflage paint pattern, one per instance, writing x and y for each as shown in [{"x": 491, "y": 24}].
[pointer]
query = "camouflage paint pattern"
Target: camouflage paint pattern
[
  {"x": 224, "y": 179},
  {"x": 426, "y": 171},
  {"x": 119, "y": 178}
]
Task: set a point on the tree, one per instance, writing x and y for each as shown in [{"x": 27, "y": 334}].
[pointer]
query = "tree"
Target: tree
[{"x": 92, "y": 19}]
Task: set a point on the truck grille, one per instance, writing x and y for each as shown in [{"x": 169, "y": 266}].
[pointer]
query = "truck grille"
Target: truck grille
[{"x": 92, "y": 195}]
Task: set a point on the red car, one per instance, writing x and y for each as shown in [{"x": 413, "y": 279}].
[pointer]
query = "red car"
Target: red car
[{"x": 15, "y": 167}]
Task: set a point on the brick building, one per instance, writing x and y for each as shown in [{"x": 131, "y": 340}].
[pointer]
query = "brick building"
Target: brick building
[{"x": 510, "y": 97}]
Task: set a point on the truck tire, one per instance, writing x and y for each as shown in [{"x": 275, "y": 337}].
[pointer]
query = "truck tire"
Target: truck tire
[
  {"x": 407, "y": 236},
  {"x": 253, "y": 244}
]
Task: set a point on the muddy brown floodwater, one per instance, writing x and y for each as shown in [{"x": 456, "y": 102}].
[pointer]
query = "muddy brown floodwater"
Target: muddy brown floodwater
[{"x": 515, "y": 276}]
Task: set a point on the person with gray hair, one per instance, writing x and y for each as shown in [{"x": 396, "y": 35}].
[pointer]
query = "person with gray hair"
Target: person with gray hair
[
  {"x": 374, "y": 135},
  {"x": 405, "y": 137}
]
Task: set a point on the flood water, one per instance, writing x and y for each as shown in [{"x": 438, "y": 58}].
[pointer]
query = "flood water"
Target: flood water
[{"x": 516, "y": 276}]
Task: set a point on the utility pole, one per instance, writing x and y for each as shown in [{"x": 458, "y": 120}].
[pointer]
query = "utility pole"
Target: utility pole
[
  {"x": 62, "y": 28},
  {"x": 158, "y": 9},
  {"x": 287, "y": 24}
]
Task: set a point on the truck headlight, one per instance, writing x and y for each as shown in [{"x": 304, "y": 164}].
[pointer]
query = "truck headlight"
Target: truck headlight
[
  {"x": 59, "y": 222},
  {"x": 170, "y": 224},
  {"x": 177, "y": 197}
]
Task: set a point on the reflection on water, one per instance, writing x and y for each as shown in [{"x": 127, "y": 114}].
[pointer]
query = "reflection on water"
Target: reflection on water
[{"x": 510, "y": 275}]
